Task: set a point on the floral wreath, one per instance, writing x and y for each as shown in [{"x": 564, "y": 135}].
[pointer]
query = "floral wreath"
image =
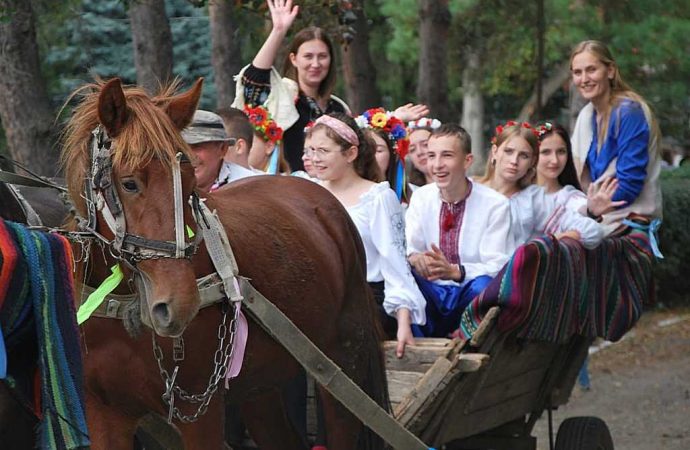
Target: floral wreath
[
  {"x": 545, "y": 128},
  {"x": 379, "y": 119},
  {"x": 262, "y": 122},
  {"x": 424, "y": 123},
  {"x": 512, "y": 123}
]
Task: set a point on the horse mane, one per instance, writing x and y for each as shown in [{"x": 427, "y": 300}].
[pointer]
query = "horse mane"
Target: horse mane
[{"x": 148, "y": 134}]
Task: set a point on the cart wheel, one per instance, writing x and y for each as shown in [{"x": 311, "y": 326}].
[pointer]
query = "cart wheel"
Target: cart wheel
[{"x": 584, "y": 433}]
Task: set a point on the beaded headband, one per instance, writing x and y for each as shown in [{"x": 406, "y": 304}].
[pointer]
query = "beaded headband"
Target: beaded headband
[{"x": 341, "y": 128}]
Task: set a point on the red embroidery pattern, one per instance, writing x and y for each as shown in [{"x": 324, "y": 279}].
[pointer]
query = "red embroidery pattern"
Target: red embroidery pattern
[{"x": 450, "y": 220}]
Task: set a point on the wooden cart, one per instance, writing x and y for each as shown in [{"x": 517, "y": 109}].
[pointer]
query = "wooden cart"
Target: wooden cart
[{"x": 488, "y": 393}]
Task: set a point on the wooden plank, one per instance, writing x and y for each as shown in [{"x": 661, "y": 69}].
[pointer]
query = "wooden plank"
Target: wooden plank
[
  {"x": 419, "y": 357},
  {"x": 426, "y": 390},
  {"x": 472, "y": 362},
  {"x": 493, "y": 394},
  {"x": 325, "y": 371},
  {"x": 486, "y": 325},
  {"x": 400, "y": 383},
  {"x": 457, "y": 425}
]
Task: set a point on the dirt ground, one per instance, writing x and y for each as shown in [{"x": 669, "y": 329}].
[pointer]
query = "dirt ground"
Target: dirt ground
[{"x": 640, "y": 386}]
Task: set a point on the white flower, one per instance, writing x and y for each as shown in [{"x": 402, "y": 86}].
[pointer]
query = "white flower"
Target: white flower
[{"x": 362, "y": 122}]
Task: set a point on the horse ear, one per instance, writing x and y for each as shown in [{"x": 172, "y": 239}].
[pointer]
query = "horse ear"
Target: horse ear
[
  {"x": 112, "y": 107},
  {"x": 181, "y": 107}
]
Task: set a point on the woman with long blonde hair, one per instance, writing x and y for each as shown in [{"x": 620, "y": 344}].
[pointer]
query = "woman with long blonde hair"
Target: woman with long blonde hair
[{"x": 616, "y": 136}]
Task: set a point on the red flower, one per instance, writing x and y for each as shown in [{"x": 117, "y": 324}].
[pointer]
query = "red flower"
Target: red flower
[
  {"x": 257, "y": 116},
  {"x": 273, "y": 132}
]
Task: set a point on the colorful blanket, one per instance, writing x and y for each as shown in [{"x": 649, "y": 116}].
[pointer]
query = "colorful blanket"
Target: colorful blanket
[
  {"x": 37, "y": 301},
  {"x": 551, "y": 290}
]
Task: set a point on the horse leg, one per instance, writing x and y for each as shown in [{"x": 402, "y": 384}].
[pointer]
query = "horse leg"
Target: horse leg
[
  {"x": 109, "y": 428},
  {"x": 342, "y": 428},
  {"x": 207, "y": 432},
  {"x": 268, "y": 423}
]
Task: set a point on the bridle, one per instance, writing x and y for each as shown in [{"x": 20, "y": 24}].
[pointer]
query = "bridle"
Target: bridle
[{"x": 101, "y": 196}]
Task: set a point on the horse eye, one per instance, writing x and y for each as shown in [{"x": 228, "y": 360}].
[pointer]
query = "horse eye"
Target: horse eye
[{"x": 130, "y": 186}]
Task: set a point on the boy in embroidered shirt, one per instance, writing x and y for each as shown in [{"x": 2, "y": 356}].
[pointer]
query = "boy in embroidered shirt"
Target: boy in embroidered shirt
[{"x": 456, "y": 232}]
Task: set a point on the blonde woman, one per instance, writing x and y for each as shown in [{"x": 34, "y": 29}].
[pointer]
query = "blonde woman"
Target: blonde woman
[{"x": 616, "y": 136}]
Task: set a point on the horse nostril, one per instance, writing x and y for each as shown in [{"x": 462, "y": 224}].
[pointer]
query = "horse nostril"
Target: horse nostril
[{"x": 161, "y": 313}]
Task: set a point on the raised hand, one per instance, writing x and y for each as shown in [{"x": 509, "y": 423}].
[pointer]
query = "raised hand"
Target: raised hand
[
  {"x": 283, "y": 13},
  {"x": 410, "y": 112},
  {"x": 600, "y": 195}
]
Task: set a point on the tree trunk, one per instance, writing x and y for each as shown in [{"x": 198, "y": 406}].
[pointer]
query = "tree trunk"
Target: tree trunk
[
  {"x": 434, "y": 23},
  {"x": 473, "y": 109},
  {"x": 225, "y": 49},
  {"x": 358, "y": 68},
  {"x": 25, "y": 109},
  {"x": 549, "y": 87},
  {"x": 152, "y": 39}
]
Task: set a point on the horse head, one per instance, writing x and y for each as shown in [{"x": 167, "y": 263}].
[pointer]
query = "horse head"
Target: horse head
[{"x": 129, "y": 171}]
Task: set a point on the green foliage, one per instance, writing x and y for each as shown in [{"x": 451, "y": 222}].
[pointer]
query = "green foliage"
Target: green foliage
[{"x": 673, "y": 283}]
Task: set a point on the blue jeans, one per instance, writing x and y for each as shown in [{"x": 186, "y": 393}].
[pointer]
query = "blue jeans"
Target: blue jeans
[{"x": 445, "y": 304}]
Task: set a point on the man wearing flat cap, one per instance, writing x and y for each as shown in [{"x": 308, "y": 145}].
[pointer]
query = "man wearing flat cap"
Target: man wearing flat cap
[{"x": 208, "y": 140}]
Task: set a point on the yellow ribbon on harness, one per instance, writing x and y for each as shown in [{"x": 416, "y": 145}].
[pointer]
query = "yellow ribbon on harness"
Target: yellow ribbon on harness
[{"x": 96, "y": 298}]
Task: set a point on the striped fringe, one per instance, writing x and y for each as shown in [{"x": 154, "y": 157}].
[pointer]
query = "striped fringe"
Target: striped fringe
[
  {"x": 551, "y": 290},
  {"x": 37, "y": 290}
]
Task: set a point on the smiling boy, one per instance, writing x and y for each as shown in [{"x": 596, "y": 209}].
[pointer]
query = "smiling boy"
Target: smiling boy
[{"x": 456, "y": 232}]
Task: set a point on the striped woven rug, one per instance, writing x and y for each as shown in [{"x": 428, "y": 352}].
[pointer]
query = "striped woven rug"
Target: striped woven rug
[
  {"x": 37, "y": 302},
  {"x": 551, "y": 290}
]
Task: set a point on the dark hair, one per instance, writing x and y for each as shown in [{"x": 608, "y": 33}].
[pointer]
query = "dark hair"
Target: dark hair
[
  {"x": 569, "y": 175},
  {"x": 309, "y": 34},
  {"x": 456, "y": 131},
  {"x": 391, "y": 174},
  {"x": 365, "y": 163},
  {"x": 414, "y": 175},
  {"x": 237, "y": 125}
]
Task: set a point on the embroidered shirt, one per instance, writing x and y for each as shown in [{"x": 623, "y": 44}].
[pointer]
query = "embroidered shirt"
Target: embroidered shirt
[
  {"x": 257, "y": 87},
  {"x": 483, "y": 231},
  {"x": 450, "y": 222}
]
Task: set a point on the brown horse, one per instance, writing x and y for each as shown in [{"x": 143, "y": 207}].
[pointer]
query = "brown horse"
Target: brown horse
[{"x": 290, "y": 237}]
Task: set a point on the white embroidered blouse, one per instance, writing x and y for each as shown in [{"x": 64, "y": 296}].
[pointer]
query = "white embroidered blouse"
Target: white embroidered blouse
[
  {"x": 531, "y": 212},
  {"x": 380, "y": 220}
]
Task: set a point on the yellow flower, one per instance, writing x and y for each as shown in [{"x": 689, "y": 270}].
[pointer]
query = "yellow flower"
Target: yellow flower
[{"x": 379, "y": 120}]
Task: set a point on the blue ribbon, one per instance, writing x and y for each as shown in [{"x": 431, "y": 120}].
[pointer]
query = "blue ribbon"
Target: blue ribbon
[
  {"x": 3, "y": 357},
  {"x": 652, "y": 231},
  {"x": 273, "y": 161},
  {"x": 400, "y": 180}
]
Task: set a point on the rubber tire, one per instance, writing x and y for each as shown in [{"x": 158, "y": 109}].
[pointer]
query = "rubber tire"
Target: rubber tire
[{"x": 584, "y": 433}]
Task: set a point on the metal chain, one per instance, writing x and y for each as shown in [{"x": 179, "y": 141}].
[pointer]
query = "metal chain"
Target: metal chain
[{"x": 221, "y": 359}]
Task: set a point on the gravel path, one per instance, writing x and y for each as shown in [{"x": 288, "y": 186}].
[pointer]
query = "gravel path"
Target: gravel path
[{"x": 640, "y": 386}]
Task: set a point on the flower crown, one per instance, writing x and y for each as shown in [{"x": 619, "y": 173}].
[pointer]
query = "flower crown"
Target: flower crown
[
  {"x": 512, "y": 123},
  {"x": 379, "y": 119},
  {"x": 262, "y": 122},
  {"x": 545, "y": 128},
  {"x": 424, "y": 122}
]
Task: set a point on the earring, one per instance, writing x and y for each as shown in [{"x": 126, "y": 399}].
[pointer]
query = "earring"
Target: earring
[{"x": 493, "y": 161}]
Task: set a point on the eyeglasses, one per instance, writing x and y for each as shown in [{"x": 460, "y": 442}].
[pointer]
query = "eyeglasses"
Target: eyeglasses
[{"x": 310, "y": 152}]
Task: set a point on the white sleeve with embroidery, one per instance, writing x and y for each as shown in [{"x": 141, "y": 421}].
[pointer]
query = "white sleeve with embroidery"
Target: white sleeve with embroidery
[
  {"x": 388, "y": 236},
  {"x": 590, "y": 231}
]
